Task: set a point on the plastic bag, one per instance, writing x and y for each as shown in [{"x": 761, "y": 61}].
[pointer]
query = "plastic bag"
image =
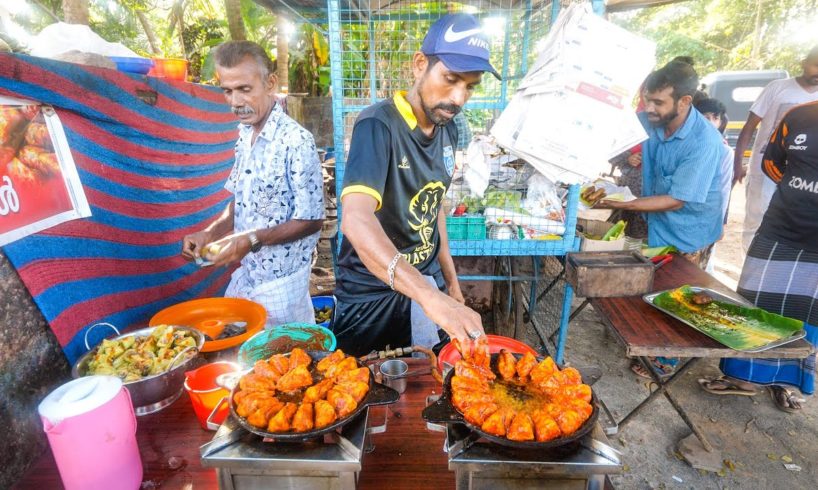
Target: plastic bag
[{"x": 542, "y": 200}]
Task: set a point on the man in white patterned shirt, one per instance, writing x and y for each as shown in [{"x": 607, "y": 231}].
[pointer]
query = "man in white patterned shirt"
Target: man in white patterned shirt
[{"x": 272, "y": 225}]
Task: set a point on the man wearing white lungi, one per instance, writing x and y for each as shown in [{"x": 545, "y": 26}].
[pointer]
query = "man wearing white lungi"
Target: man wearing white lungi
[{"x": 272, "y": 225}]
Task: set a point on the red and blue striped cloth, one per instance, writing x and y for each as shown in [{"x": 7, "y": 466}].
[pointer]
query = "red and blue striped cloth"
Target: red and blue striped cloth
[{"x": 153, "y": 156}]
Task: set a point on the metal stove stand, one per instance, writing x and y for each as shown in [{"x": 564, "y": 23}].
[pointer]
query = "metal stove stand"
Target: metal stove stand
[
  {"x": 479, "y": 464},
  {"x": 246, "y": 461}
]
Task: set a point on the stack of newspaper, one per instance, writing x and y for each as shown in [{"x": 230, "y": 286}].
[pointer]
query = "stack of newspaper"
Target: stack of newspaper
[{"x": 573, "y": 110}]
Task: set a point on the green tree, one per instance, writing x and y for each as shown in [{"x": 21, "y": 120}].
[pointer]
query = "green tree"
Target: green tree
[{"x": 730, "y": 34}]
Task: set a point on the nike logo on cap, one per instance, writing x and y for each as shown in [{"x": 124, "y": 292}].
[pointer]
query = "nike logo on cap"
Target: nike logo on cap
[{"x": 452, "y": 37}]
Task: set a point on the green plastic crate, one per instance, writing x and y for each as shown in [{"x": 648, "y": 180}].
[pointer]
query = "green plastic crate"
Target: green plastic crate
[{"x": 466, "y": 227}]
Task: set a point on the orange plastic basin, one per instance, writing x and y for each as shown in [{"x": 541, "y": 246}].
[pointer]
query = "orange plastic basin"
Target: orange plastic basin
[{"x": 211, "y": 315}]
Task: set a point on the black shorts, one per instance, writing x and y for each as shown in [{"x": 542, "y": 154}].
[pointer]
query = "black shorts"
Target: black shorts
[{"x": 361, "y": 328}]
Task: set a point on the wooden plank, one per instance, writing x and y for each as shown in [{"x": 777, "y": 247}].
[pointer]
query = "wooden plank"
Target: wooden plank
[
  {"x": 646, "y": 331},
  {"x": 407, "y": 456}
]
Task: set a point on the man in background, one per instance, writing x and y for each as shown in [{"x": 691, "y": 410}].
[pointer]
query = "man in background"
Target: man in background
[{"x": 775, "y": 100}]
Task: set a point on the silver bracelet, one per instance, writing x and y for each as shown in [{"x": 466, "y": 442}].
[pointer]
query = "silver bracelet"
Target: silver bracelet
[{"x": 390, "y": 271}]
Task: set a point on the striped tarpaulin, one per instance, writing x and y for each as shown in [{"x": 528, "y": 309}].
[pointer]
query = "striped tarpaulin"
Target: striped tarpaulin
[{"x": 152, "y": 156}]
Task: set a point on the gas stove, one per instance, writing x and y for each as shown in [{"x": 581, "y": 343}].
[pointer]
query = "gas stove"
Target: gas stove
[
  {"x": 480, "y": 464},
  {"x": 247, "y": 461}
]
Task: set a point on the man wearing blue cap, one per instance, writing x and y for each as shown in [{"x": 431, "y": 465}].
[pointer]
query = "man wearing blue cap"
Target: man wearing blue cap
[{"x": 394, "y": 268}]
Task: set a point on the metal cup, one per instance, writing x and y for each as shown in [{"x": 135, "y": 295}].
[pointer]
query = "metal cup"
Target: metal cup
[{"x": 394, "y": 372}]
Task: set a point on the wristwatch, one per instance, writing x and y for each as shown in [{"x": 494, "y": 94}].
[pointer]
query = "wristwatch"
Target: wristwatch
[{"x": 255, "y": 243}]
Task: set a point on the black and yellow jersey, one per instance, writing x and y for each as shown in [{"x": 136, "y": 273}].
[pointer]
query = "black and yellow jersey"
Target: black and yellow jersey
[
  {"x": 791, "y": 160},
  {"x": 408, "y": 173}
]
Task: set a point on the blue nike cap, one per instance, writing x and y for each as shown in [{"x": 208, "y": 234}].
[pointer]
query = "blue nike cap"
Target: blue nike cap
[{"x": 460, "y": 43}]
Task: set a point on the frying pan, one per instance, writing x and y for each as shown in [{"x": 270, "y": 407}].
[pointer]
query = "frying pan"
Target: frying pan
[
  {"x": 378, "y": 394},
  {"x": 443, "y": 411}
]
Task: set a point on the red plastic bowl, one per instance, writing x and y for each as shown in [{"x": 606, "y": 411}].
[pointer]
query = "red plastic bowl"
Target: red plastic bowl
[{"x": 449, "y": 354}]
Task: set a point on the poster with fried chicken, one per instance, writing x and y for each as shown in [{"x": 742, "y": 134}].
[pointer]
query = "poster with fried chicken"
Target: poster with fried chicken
[{"x": 39, "y": 183}]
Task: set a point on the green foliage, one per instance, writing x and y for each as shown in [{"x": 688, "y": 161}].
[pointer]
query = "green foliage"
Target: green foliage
[
  {"x": 114, "y": 22},
  {"x": 309, "y": 62},
  {"x": 730, "y": 34}
]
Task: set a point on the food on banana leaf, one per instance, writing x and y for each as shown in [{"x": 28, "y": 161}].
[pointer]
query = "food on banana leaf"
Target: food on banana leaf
[{"x": 738, "y": 327}]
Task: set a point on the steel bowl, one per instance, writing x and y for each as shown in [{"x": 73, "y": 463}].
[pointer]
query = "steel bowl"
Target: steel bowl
[{"x": 151, "y": 393}]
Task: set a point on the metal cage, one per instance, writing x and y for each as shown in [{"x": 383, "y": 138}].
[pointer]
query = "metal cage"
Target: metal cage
[{"x": 371, "y": 46}]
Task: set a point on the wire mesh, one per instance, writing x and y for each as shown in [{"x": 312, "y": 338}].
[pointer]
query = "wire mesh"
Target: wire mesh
[
  {"x": 371, "y": 46},
  {"x": 548, "y": 313}
]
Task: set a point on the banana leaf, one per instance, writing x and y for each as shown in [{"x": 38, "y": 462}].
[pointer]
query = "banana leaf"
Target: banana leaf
[{"x": 738, "y": 327}]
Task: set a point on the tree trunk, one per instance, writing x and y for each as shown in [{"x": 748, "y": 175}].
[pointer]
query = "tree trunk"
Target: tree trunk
[
  {"x": 146, "y": 26},
  {"x": 76, "y": 11},
  {"x": 235, "y": 23},
  {"x": 282, "y": 57},
  {"x": 755, "y": 51}
]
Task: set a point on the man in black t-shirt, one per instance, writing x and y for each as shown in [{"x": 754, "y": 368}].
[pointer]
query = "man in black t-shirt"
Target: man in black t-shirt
[
  {"x": 401, "y": 159},
  {"x": 791, "y": 161}
]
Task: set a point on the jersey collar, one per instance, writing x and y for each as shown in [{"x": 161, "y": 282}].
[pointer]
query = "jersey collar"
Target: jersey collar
[{"x": 405, "y": 110}]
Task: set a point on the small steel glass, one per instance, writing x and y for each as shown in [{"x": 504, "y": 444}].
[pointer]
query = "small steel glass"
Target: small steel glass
[{"x": 394, "y": 374}]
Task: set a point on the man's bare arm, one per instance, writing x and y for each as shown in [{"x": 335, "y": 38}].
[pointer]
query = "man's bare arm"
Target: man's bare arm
[{"x": 741, "y": 145}]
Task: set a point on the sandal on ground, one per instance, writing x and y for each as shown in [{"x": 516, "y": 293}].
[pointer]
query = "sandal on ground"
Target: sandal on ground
[
  {"x": 724, "y": 386},
  {"x": 784, "y": 399},
  {"x": 660, "y": 369}
]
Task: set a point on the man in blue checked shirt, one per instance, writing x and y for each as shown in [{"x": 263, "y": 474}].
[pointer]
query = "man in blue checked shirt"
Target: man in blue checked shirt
[{"x": 681, "y": 195}]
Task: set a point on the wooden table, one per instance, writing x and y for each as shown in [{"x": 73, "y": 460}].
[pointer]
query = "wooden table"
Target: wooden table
[
  {"x": 647, "y": 332},
  {"x": 407, "y": 456}
]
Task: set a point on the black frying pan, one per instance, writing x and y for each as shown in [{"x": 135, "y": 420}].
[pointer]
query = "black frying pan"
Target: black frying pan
[
  {"x": 442, "y": 411},
  {"x": 378, "y": 394}
]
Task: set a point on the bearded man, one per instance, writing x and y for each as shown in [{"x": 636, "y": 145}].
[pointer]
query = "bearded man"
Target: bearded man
[
  {"x": 681, "y": 167},
  {"x": 396, "y": 281}
]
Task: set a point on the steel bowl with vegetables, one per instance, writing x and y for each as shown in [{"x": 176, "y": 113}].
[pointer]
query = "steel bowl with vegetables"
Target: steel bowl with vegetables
[{"x": 151, "y": 363}]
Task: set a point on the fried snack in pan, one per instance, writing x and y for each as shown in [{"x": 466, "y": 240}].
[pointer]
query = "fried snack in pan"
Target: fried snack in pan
[
  {"x": 266, "y": 408},
  {"x": 280, "y": 363},
  {"x": 330, "y": 360},
  {"x": 521, "y": 429},
  {"x": 355, "y": 389},
  {"x": 303, "y": 420},
  {"x": 507, "y": 364},
  {"x": 314, "y": 399},
  {"x": 530, "y": 401},
  {"x": 525, "y": 365},
  {"x": 336, "y": 369},
  {"x": 297, "y": 378},
  {"x": 318, "y": 391},
  {"x": 282, "y": 420},
  {"x": 469, "y": 384},
  {"x": 324, "y": 414},
  {"x": 263, "y": 368},
  {"x": 360, "y": 374},
  {"x": 299, "y": 358},
  {"x": 343, "y": 403},
  {"x": 479, "y": 412}
]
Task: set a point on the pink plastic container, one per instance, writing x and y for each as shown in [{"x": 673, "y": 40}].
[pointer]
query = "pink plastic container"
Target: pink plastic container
[{"x": 91, "y": 427}]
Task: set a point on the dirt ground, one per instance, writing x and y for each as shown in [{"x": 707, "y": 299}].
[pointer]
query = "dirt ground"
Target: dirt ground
[{"x": 755, "y": 438}]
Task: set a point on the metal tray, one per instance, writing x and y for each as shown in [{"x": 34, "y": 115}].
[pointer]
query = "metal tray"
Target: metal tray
[{"x": 718, "y": 296}]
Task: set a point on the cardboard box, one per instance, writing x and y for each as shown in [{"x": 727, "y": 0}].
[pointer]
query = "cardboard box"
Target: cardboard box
[{"x": 597, "y": 228}]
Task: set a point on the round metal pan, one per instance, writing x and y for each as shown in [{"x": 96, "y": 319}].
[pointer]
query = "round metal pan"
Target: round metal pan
[
  {"x": 378, "y": 394},
  {"x": 443, "y": 411}
]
